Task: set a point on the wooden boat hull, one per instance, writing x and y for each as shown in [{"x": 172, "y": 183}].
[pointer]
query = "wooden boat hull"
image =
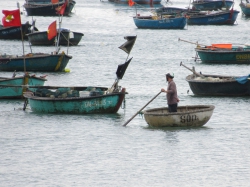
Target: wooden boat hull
[
  {"x": 245, "y": 8},
  {"x": 41, "y": 38},
  {"x": 219, "y": 87},
  {"x": 212, "y": 4},
  {"x": 47, "y": 9},
  {"x": 147, "y": 22},
  {"x": 221, "y": 18},
  {"x": 136, "y": 1},
  {"x": 186, "y": 116},
  {"x": 11, "y": 88},
  {"x": 107, "y": 103},
  {"x": 224, "y": 56},
  {"x": 14, "y": 33},
  {"x": 35, "y": 62}
]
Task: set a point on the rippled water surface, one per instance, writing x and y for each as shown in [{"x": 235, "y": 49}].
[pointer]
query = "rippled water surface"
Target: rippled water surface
[{"x": 96, "y": 150}]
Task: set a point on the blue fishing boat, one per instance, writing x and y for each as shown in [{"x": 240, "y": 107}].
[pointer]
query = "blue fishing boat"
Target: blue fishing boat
[
  {"x": 160, "y": 22},
  {"x": 212, "y": 4},
  {"x": 42, "y": 62},
  {"x": 213, "y": 18},
  {"x": 41, "y": 38},
  {"x": 47, "y": 8},
  {"x": 14, "y": 87},
  {"x": 82, "y": 100},
  {"x": 245, "y": 7},
  {"x": 136, "y": 1}
]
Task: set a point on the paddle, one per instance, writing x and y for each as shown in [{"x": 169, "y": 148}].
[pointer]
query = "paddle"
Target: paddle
[
  {"x": 200, "y": 75},
  {"x": 141, "y": 109},
  {"x": 196, "y": 43}
]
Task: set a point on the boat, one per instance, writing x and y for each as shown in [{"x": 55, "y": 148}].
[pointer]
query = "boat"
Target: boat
[
  {"x": 85, "y": 99},
  {"x": 212, "y": 4},
  {"x": 223, "y": 54},
  {"x": 186, "y": 116},
  {"x": 42, "y": 62},
  {"x": 41, "y": 38},
  {"x": 221, "y": 17},
  {"x": 160, "y": 22},
  {"x": 218, "y": 85},
  {"x": 47, "y": 8},
  {"x": 14, "y": 33},
  {"x": 136, "y": 1},
  {"x": 14, "y": 87},
  {"x": 245, "y": 7},
  {"x": 75, "y": 100}
]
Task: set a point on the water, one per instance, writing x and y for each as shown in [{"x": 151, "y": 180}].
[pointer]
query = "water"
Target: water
[{"x": 96, "y": 150}]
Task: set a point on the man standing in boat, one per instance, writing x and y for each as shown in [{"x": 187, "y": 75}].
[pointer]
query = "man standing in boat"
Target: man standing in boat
[{"x": 171, "y": 91}]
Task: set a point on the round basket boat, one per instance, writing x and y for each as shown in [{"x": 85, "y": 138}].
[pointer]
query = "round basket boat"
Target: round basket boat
[{"x": 186, "y": 116}]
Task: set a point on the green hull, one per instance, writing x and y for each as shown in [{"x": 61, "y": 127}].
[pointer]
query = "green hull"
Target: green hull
[
  {"x": 11, "y": 88},
  {"x": 106, "y": 103},
  {"x": 224, "y": 56}
]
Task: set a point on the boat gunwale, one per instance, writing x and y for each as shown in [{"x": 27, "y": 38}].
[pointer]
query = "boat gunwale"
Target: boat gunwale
[
  {"x": 41, "y": 32},
  {"x": 204, "y": 108},
  {"x": 9, "y": 57},
  {"x": 13, "y": 78},
  {"x": 196, "y": 16},
  {"x": 222, "y": 50},
  {"x": 190, "y": 79},
  {"x": 29, "y": 95}
]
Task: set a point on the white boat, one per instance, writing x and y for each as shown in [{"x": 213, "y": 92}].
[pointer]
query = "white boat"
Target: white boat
[{"x": 186, "y": 116}]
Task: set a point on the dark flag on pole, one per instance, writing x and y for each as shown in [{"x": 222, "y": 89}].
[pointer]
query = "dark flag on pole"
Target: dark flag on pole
[
  {"x": 128, "y": 45},
  {"x": 122, "y": 68}
]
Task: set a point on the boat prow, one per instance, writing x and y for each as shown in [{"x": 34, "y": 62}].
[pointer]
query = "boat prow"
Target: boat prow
[{"x": 186, "y": 116}]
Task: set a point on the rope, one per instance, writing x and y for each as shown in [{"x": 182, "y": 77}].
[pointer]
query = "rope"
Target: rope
[{"x": 59, "y": 62}]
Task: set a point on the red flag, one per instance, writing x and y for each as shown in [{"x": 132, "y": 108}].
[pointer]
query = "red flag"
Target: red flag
[
  {"x": 61, "y": 9},
  {"x": 52, "y": 32},
  {"x": 54, "y": 1},
  {"x": 11, "y": 18},
  {"x": 131, "y": 2}
]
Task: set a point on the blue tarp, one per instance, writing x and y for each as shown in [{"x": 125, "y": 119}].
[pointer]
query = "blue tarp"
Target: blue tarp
[{"x": 242, "y": 80}]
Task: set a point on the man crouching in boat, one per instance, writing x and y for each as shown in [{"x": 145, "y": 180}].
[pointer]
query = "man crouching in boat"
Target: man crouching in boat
[{"x": 172, "y": 98}]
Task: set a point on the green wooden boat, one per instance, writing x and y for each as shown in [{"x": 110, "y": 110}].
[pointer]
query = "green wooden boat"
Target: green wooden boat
[
  {"x": 14, "y": 87},
  {"x": 234, "y": 55},
  {"x": 75, "y": 100}
]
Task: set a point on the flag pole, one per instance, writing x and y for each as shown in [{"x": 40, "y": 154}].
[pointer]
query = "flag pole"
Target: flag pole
[
  {"x": 58, "y": 38},
  {"x": 24, "y": 63}
]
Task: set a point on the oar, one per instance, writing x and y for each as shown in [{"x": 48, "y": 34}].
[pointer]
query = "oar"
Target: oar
[
  {"x": 141, "y": 109},
  {"x": 200, "y": 75},
  {"x": 196, "y": 43}
]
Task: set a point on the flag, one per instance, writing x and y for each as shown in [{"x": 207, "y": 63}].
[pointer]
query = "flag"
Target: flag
[
  {"x": 11, "y": 18},
  {"x": 52, "y": 32},
  {"x": 127, "y": 46},
  {"x": 54, "y": 1},
  {"x": 122, "y": 68},
  {"x": 61, "y": 9},
  {"x": 131, "y": 2}
]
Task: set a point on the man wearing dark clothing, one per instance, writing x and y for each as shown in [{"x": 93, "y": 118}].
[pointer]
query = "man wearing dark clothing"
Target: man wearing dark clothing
[{"x": 171, "y": 91}]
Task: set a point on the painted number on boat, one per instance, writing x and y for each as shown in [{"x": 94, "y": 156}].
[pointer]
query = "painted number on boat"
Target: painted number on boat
[
  {"x": 243, "y": 57},
  {"x": 165, "y": 21},
  {"x": 97, "y": 103},
  {"x": 188, "y": 118}
]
